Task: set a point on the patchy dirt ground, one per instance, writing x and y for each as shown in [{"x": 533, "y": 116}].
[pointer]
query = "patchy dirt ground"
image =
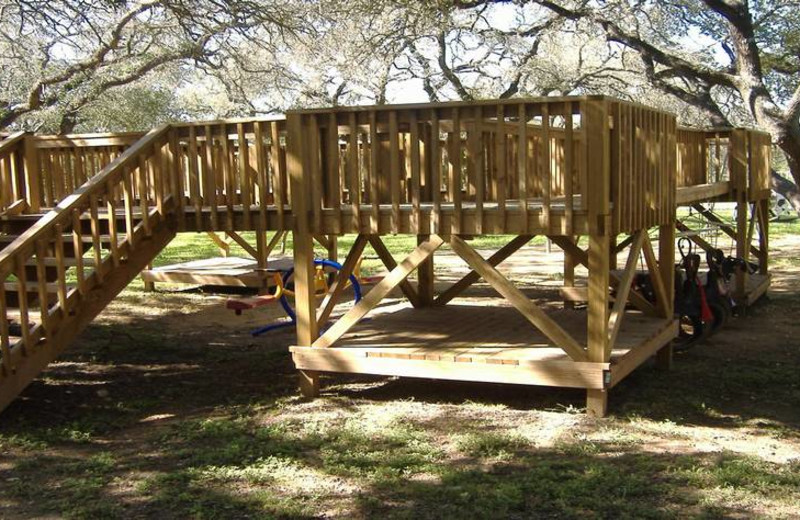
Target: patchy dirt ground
[{"x": 167, "y": 407}]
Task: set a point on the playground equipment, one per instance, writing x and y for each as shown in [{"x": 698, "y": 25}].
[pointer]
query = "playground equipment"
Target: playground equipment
[
  {"x": 282, "y": 282},
  {"x": 81, "y": 216}
]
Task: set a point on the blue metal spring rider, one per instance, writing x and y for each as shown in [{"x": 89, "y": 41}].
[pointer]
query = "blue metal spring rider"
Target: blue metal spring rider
[{"x": 283, "y": 284}]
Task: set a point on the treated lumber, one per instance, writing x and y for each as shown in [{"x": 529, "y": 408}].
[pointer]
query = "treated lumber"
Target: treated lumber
[
  {"x": 383, "y": 288},
  {"x": 342, "y": 277},
  {"x": 618, "y": 311},
  {"x": 388, "y": 260},
  {"x": 470, "y": 278},
  {"x": 525, "y": 306}
]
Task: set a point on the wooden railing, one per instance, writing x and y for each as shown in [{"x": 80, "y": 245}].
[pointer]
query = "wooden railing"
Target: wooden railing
[
  {"x": 105, "y": 218},
  {"x": 642, "y": 156},
  {"x": 12, "y": 174},
  {"x": 239, "y": 166},
  {"x": 739, "y": 156},
  {"x": 703, "y": 156},
  {"x": 551, "y": 157}
]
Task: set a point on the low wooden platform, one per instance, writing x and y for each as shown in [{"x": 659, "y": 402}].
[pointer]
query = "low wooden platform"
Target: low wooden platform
[
  {"x": 486, "y": 341},
  {"x": 230, "y": 272}
]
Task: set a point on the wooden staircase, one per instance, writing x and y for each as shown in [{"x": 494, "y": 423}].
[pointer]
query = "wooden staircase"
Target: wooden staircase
[{"x": 60, "y": 268}]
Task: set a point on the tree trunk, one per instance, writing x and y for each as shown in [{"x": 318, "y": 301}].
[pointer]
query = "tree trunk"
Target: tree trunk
[{"x": 786, "y": 188}]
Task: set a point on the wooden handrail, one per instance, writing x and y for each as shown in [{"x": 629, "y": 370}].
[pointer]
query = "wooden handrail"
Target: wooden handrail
[
  {"x": 79, "y": 200},
  {"x": 9, "y": 142}
]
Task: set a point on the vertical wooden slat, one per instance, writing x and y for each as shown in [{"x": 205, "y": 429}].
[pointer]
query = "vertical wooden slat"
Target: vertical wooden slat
[
  {"x": 244, "y": 174},
  {"x": 374, "y": 194},
  {"x": 394, "y": 169},
  {"x": 141, "y": 178},
  {"x": 547, "y": 172},
  {"x": 77, "y": 247},
  {"x": 436, "y": 172},
  {"x": 112, "y": 221},
  {"x": 333, "y": 176},
  {"x": 22, "y": 303},
  {"x": 500, "y": 166},
  {"x": 61, "y": 270},
  {"x": 128, "y": 201},
  {"x": 210, "y": 194},
  {"x": 416, "y": 163},
  {"x": 278, "y": 182},
  {"x": 354, "y": 183},
  {"x": 475, "y": 167},
  {"x": 41, "y": 284},
  {"x": 32, "y": 178},
  {"x": 227, "y": 173},
  {"x": 195, "y": 179},
  {"x": 522, "y": 166},
  {"x": 569, "y": 150},
  {"x": 176, "y": 174},
  {"x": 5, "y": 343},
  {"x": 261, "y": 179},
  {"x": 455, "y": 172},
  {"x": 94, "y": 220}
]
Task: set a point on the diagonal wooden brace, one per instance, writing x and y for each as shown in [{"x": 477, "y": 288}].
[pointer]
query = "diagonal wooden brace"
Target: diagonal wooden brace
[
  {"x": 379, "y": 292},
  {"x": 525, "y": 306},
  {"x": 341, "y": 280},
  {"x": 390, "y": 263},
  {"x": 499, "y": 256},
  {"x": 618, "y": 311}
]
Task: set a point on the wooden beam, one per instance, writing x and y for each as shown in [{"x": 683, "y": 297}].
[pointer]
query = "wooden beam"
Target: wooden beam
[
  {"x": 618, "y": 311},
  {"x": 390, "y": 263},
  {"x": 525, "y": 306},
  {"x": 662, "y": 297},
  {"x": 597, "y": 306},
  {"x": 425, "y": 277},
  {"x": 340, "y": 282},
  {"x": 243, "y": 243},
  {"x": 498, "y": 257},
  {"x": 379, "y": 292}
]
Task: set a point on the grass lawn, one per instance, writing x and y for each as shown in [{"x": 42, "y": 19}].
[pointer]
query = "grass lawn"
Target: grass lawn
[{"x": 167, "y": 408}]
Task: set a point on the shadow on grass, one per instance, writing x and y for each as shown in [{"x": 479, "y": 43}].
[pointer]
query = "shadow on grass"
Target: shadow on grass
[{"x": 239, "y": 467}]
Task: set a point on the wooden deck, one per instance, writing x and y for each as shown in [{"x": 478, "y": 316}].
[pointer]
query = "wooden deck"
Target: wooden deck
[{"x": 487, "y": 341}]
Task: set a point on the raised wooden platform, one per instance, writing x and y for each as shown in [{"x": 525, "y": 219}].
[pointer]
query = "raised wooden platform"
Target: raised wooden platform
[
  {"x": 487, "y": 341},
  {"x": 230, "y": 271}
]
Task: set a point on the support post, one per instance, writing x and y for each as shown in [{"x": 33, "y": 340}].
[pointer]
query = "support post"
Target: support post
[
  {"x": 569, "y": 276},
  {"x": 304, "y": 290},
  {"x": 425, "y": 277},
  {"x": 666, "y": 264}
]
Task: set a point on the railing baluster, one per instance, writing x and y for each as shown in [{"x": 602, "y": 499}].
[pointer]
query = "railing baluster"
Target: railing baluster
[
  {"x": 455, "y": 172},
  {"x": 522, "y": 166},
  {"x": 278, "y": 182},
  {"x": 210, "y": 194},
  {"x": 22, "y": 303},
  {"x": 194, "y": 178},
  {"x": 374, "y": 171},
  {"x": 61, "y": 269},
  {"x": 77, "y": 246},
  {"x": 352, "y": 170},
  {"x": 41, "y": 284},
  {"x": 112, "y": 220},
  {"x": 261, "y": 177},
  {"x": 334, "y": 179},
  {"x": 127, "y": 194},
  {"x": 568, "y": 166},
  {"x": 144, "y": 172},
  {"x": 436, "y": 172},
  {"x": 500, "y": 165},
  {"x": 244, "y": 174},
  {"x": 416, "y": 163},
  {"x": 6, "y": 362}
]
